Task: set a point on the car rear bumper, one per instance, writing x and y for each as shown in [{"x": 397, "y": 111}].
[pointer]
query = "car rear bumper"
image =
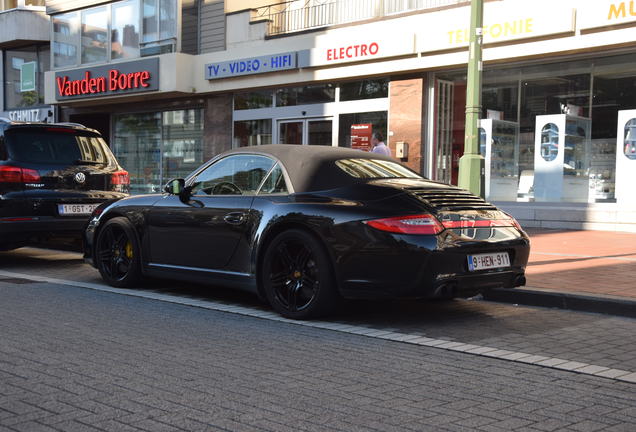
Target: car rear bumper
[
  {"x": 413, "y": 266},
  {"x": 20, "y": 229}
]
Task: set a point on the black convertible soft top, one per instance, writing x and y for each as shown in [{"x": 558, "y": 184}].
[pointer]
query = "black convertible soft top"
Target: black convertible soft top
[{"x": 312, "y": 168}]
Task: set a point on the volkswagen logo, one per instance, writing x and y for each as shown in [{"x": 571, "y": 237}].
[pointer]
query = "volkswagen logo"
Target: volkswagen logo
[{"x": 80, "y": 177}]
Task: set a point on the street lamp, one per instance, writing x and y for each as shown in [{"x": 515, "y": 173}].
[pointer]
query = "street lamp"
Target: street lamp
[{"x": 471, "y": 164}]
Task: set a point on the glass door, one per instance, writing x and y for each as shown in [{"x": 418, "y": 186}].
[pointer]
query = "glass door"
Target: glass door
[
  {"x": 291, "y": 132},
  {"x": 319, "y": 132},
  {"x": 316, "y": 131}
]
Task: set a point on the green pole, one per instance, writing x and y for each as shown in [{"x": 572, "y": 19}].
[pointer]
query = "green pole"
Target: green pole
[{"x": 471, "y": 164}]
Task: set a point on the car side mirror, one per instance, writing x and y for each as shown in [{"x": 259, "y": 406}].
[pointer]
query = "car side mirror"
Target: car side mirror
[{"x": 175, "y": 186}]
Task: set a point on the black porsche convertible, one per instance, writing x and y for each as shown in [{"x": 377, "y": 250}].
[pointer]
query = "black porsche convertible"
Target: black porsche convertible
[{"x": 304, "y": 226}]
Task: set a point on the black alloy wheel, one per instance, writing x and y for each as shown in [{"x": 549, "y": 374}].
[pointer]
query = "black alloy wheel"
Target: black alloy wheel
[
  {"x": 117, "y": 253},
  {"x": 297, "y": 276}
]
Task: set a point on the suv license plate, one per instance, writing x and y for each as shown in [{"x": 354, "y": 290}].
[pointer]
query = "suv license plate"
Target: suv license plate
[
  {"x": 488, "y": 261},
  {"x": 76, "y": 209}
]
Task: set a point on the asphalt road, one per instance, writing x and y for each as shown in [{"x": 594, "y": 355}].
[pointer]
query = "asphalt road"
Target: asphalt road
[{"x": 76, "y": 355}]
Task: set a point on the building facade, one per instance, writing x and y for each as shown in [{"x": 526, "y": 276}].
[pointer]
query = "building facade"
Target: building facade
[
  {"x": 172, "y": 83},
  {"x": 24, "y": 57}
]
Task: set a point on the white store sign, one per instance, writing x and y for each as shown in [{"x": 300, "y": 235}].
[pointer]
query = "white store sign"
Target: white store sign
[
  {"x": 446, "y": 30},
  {"x": 603, "y": 13},
  {"x": 348, "y": 51}
]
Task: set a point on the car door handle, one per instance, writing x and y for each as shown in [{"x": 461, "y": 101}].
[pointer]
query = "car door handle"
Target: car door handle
[{"x": 234, "y": 218}]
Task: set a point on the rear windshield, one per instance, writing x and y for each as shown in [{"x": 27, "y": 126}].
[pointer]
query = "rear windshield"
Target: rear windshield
[
  {"x": 375, "y": 168},
  {"x": 56, "y": 146}
]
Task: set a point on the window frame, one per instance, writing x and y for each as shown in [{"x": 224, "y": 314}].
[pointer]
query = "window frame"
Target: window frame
[
  {"x": 285, "y": 180},
  {"x": 191, "y": 180}
]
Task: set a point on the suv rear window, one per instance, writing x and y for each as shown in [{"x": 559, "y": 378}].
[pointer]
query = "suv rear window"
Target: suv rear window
[
  {"x": 56, "y": 146},
  {"x": 375, "y": 169}
]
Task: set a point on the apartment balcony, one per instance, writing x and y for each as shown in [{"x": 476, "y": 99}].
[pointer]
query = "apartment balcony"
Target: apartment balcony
[
  {"x": 297, "y": 16},
  {"x": 23, "y": 21}
]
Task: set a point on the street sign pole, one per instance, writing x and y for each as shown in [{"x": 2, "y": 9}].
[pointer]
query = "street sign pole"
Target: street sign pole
[{"x": 471, "y": 164}]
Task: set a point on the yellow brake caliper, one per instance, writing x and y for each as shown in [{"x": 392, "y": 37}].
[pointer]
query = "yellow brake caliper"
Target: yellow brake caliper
[{"x": 129, "y": 250}]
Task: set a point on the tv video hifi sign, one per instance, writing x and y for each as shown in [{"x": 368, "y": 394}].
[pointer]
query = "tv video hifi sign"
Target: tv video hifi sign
[
  {"x": 251, "y": 66},
  {"x": 108, "y": 80}
]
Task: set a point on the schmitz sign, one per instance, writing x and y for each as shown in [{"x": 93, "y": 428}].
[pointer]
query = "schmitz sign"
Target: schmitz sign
[{"x": 108, "y": 80}]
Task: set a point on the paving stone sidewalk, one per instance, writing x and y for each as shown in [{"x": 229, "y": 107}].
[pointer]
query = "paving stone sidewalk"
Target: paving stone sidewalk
[{"x": 597, "y": 263}]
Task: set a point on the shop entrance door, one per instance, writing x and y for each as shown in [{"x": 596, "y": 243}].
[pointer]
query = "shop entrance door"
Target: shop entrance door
[{"x": 314, "y": 131}]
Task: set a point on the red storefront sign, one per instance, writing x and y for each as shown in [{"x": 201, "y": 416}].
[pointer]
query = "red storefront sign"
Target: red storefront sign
[
  {"x": 90, "y": 85},
  {"x": 353, "y": 51},
  {"x": 361, "y": 136},
  {"x": 108, "y": 80}
]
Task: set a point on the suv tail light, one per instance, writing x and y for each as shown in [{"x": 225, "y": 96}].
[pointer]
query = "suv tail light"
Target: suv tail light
[
  {"x": 413, "y": 224},
  {"x": 120, "y": 178},
  {"x": 11, "y": 174}
]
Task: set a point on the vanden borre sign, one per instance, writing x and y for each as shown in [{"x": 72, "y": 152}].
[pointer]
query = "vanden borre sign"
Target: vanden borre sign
[
  {"x": 605, "y": 13},
  {"x": 108, "y": 80},
  {"x": 251, "y": 66}
]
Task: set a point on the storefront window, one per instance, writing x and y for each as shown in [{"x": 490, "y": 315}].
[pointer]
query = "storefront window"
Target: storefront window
[
  {"x": 125, "y": 30},
  {"x": 252, "y": 132},
  {"x": 137, "y": 145},
  {"x": 94, "y": 35},
  {"x": 377, "y": 119},
  {"x": 24, "y": 76},
  {"x": 182, "y": 143},
  {"x": 567, "y": 117},
  {"x": 311, "y": 94},
  {"x": 65, "y": 38},
  {"x": 253, "y": 100},
  {"x": 155, "y": 147},
  {"x": 365, "y": 89}
]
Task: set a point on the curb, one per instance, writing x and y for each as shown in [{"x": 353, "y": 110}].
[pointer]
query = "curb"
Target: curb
[{"x": 572, "y": 301}]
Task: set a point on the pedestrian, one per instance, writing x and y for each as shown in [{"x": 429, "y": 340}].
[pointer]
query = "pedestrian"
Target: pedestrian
[{"x": 378, "y": 144}]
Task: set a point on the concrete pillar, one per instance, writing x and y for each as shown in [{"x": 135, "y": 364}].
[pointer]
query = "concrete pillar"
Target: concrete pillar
[
  {"x": 217, "y": 125},
  {"x": 406, "y": 109}
]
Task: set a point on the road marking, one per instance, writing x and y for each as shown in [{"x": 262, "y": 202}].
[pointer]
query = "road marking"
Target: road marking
[{"x": 411, "y": 339}]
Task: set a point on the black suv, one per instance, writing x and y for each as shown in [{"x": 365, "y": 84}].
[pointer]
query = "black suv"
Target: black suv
[{"x": 52, "y": 176}]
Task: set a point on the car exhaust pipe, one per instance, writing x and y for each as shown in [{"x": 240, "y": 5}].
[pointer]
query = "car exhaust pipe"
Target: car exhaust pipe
[
  {"x": 446, "y": 291},
  {"x": 519, "y": 281}
]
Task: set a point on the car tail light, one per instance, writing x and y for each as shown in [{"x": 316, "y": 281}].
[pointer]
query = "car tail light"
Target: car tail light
[
  {"x": 489, "y": 223},
  {"x": 11, "y": 174},
  {"x": 60, "y": 129},
  {"x": 120, "y": 178},
  {"x": 413, "y": 224}
]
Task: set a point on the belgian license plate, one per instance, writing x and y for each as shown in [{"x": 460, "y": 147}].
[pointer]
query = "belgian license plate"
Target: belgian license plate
[
  {"x": 488, "y": 261},
  {"x": 76, "y": 209}
]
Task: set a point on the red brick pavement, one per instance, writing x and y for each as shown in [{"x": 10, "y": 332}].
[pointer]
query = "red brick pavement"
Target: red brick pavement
[{"x": 588, "y": 262}]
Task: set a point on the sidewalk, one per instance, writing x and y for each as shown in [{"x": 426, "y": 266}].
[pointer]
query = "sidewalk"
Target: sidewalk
[{"x": 595, "y": 268}]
